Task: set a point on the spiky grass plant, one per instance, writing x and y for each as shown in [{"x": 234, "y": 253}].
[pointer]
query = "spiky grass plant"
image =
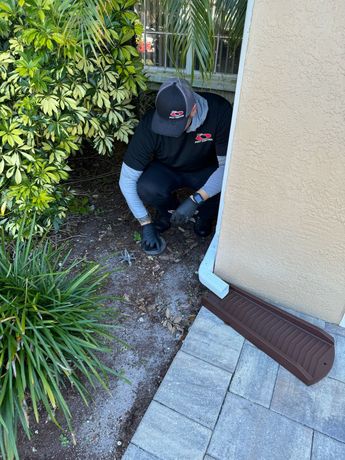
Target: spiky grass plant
[{"x": 51, "y": 332}]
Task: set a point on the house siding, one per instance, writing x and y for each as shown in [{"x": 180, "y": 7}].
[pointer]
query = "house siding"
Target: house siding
[{"x": 282, "y": 232}]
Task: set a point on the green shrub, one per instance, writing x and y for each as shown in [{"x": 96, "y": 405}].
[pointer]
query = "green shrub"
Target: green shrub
[
  {"x": 60, "y": 84},
  {"x": 51, "y": 333}
]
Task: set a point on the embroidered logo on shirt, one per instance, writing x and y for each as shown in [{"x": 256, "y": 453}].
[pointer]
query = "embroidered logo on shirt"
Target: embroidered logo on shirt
[
  {"x": 203, "y": 137},
  {"x": 176, "y": 114}
]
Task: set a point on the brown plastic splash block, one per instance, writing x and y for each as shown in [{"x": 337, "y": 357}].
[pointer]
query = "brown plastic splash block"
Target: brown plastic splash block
[{"x": 302, "y": 348}]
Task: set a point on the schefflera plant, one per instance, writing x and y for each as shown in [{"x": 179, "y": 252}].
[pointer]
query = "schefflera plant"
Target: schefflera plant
[{"x": 68, "y": 73}]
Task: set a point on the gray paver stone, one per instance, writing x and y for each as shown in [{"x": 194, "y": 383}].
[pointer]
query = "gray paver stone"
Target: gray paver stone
[
  {"x": 338, "y": 369},
  {"x": 194, "y": 388},
  {"x": 255, "y": 376},
  {"x": 335, "y": 329},
  {"x": 171, "y": 436},
  {"x": 248, "y": 431},
  {"x": 320, "y": 406},
  {"x": 213, "y": 341},
  {"x": 205, "y": 313},
  {"x": 325, "y": 448},
  {"x": 311, "y": 319},
  {"x": 135, "y": 453}
]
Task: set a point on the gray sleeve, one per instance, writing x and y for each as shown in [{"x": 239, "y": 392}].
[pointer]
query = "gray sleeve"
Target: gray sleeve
[
  {"x": 128, "y": 185},
  {"x": 213, "y": 184}
]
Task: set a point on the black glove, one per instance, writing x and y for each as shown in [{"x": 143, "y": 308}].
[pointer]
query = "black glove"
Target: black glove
[
  {"x": 150, "y": 240},
  {"x": 184, "y": 212}
]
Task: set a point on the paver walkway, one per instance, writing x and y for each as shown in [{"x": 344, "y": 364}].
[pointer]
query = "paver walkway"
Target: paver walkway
[{"x": 224, "y": 399}]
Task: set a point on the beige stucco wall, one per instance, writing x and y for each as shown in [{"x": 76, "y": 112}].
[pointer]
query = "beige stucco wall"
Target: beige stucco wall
[{"x": 283, "y": 227}]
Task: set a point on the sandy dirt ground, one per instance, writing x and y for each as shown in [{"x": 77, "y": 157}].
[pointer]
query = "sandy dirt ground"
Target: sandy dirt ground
[{"x": 160, "y": 297}]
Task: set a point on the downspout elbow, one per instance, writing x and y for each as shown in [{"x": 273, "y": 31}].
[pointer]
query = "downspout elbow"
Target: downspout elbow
[{"x": 206, "y": 275}]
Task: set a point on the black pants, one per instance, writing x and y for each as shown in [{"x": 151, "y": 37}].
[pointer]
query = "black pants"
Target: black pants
[{"x": 158, "y": 182}]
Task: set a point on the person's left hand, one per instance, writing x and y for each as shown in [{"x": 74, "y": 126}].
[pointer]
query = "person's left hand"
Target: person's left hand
[{"x": 184, "y": 212}]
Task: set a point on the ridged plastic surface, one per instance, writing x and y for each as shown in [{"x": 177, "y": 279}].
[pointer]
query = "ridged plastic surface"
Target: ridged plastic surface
[{"x": 302, "y": 348}]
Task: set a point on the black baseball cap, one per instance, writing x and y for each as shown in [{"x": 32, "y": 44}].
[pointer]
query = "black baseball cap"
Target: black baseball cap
[{"x": 174, "y": 103}]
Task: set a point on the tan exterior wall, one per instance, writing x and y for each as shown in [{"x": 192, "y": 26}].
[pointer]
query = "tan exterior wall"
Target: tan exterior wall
[{"x": 282, "y": 232}]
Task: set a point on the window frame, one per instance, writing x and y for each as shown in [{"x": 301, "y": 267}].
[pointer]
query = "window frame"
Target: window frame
[{"x": 158, "y": 74}]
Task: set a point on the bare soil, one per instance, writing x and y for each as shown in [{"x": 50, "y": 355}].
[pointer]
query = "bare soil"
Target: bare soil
[{"x": 160, "y": 298}]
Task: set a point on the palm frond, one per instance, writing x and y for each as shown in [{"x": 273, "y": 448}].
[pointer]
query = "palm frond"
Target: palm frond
[
  {"x": 86, "y": 19},
  {"x": 229, "y": 19},
  {"x": 193, "y": 31},
  {"x": 194, "y": 25}
]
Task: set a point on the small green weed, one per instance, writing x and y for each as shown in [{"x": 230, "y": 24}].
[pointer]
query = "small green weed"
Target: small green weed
[
  {"x": 136, "y": 236},
  {"x": 80, "y": 205},
  {"x": 64, "y": 441}
]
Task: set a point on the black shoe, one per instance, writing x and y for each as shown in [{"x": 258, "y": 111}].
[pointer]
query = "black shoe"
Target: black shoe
[
  {"x": 203, "y": 227},
  {"x": 162, "y": 221}
]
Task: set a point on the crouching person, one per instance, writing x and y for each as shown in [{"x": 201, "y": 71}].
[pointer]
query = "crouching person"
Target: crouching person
[{"x": 182, "y": 143}]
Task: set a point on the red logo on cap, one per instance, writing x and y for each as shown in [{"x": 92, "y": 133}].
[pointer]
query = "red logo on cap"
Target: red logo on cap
[
  {"x": 203, "y": 137},
  {"x": 176, "y": 114}
]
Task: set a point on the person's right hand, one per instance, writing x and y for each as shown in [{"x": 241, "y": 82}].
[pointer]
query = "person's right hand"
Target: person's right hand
[{"x": 151, "y": 242}]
